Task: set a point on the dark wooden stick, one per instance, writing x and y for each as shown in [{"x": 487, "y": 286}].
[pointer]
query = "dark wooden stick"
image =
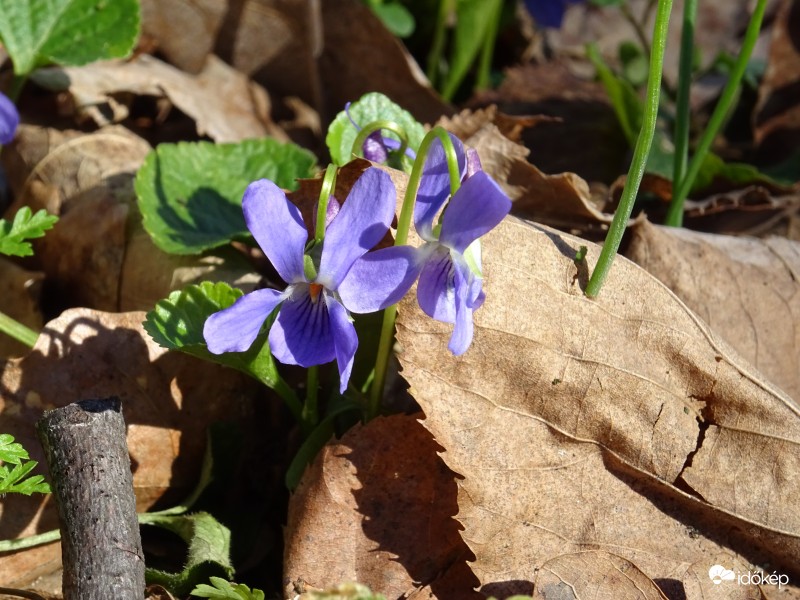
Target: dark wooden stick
[{"x": 87, "y": 454}]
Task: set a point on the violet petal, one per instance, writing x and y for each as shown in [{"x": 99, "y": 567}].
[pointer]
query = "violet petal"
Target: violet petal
[
  {"x": 345, "y": 340},
  {"x": 9, "y": 119},
  {"x": 301, "y": 335},
  {"x": 361, "y": 223},
  {"x": 434, "y": 186},
  {"x": 478, "y": 206},
  {"x": 277, "y": 226},
  {"x": 463, "y": 330},
  {"x": 380, "y": 278},
  {"x": 435, "y": 287},
  {"x": 235, "y": 328}
]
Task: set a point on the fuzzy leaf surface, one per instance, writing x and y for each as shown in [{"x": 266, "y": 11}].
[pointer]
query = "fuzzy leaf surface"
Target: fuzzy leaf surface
[
  {"x": 190, "y": 194},
  {"x": 67, "y": 32}
]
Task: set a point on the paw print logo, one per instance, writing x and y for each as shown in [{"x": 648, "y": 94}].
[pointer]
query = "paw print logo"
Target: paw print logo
[{"x": 718, "y": 574}]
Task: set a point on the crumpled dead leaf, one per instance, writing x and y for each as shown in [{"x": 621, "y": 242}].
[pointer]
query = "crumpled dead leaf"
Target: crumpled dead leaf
[
  {"x": 745, "y": 289},
  {"x": 622, "y": 423},
  {"x": 563, "y": 200},
  {"x": 224, "y": 103},
  {"x": 581, "y": 118},
  {"x": 376, "y": 507},
  {"x": 325, "y": 53},
  {"x": 87, "y": 179},
  {"x": 777, "y": 117},
  {"x": 168, "y": 401}
]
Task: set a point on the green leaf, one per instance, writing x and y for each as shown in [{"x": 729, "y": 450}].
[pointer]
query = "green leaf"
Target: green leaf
[
  {"x": 208, "y": 556},
  {"x": 396, "y": 18},
  {"x": 67, "y": 32},
  {"x": 177, "y": 323},
  {"x": 190, "y": 194},
  {"x": 25, "y": 226},
  {"x": 626, "y": 102},
  {"x": 635, "y": 66},
  {"x": 14, "y": 480},
  {"x": 472, "y": 24},
  {"x": 738, "y": 174},
  {"x": 226, "y": 590},
  {"x": 10, "y": 451},
  {"x": 368, "y": 109}
]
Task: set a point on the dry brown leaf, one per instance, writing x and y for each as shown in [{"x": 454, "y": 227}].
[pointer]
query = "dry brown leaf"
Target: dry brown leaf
[
  {"x": 622, "y": 423},
  {"x": 87, "y": 180},
  {"x": 184, "y": 30},
  {"x": 360, "y": 56},
  {"x": 168, "y": 401},
  {"x": 746, "y": 289},
  {"x": 593, "y": 574},
  {"x": 19, "y": 299},
  {"x": 562, "y": 200},
  {"x": 583, "y": 136},
  {"x": 777, "y": 116},
  {"x": 376, "y": 507},
  {"x": 224, "y": 103}
]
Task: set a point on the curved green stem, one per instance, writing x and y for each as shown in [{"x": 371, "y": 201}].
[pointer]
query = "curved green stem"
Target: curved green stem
[
  {"x": 682, "y": 117},
  {"x": 725, "y": 104},
  {"x": 403, "y": 227},
  {"x": 325, "y": 193},
  {"x": 640, "y": 153},
  {"x": 367, "y": 130},
  {"x": 17, "y": 330}
]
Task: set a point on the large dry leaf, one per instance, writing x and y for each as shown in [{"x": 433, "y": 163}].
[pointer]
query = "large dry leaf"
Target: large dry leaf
[
  {"x": 225, "y": 104},
  {"x": 622, "y": 423},
  {"x": 376, "y": 507},
  {"x": 745, "y": 289},
  {"x": 87, "y": 180},
  {"x": 168, "y": 400}
]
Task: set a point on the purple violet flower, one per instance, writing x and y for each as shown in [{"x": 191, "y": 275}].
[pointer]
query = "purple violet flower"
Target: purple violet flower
[
  {"x": 9, "y": 119},
  {"x": 313, "y": 324},
  {"x": 450, "y": 288},
  {"x": 549, "y": 13}
]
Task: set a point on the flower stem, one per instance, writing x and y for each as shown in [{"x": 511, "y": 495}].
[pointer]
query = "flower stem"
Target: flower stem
[
  {"x": 325, "y": 193},
  {"x": 32, "y": 540},
  {"x": 403, "y": 227},
  {"x": 682, "y": 116},
  {"x": 725, "y": 104},
  {"x": 367, "y": 130},
  {"x": 640, "y": 152},
  {"x": 17, "y": 330},
  {"x": 310, "y": 415}
]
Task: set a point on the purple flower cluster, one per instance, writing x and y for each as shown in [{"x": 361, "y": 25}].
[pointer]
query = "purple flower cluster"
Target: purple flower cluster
[{"x": 313, "y": 324}]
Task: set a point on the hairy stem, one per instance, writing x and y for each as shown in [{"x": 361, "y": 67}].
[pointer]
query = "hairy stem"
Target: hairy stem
[{"x": 640, "y": 152}]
